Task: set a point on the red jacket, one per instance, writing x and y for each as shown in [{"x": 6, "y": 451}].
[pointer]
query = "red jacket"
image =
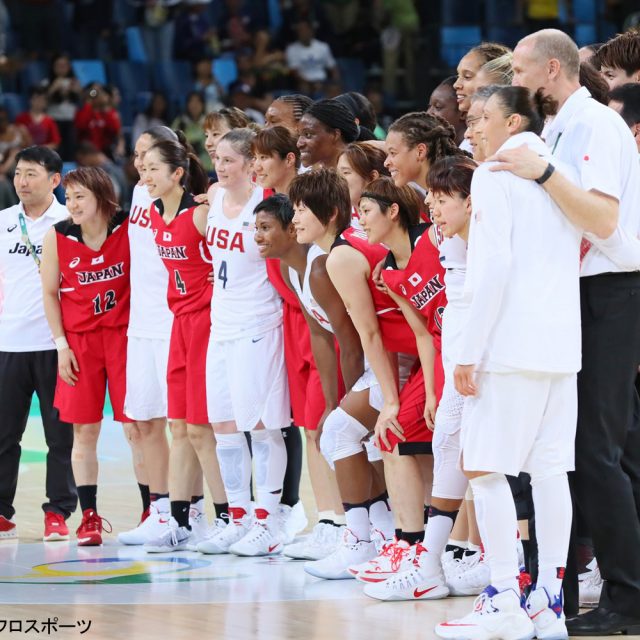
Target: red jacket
[{"x": 100, "y": 127}]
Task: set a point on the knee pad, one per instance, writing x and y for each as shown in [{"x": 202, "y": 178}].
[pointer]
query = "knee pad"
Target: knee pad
[
  {"x": 268, "y": 451},
  {"x": 449, "y": 481},
  {"x": 233, "y": 454},
  {"x": 341, "y": 436},
  {"x": 373, "y": 453}
]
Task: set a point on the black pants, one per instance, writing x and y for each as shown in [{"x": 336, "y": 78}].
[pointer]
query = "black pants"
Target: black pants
[
  {"x": 606, "y": 482},
  {"x": 20, "y": 375}
]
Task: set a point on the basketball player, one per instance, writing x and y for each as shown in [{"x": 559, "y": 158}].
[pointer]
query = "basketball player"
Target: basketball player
[{"x": 286, "y": 111}]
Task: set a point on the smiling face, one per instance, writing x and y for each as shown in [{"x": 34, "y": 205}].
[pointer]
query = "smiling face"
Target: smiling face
[
  {"x": 317, "y": 144},
  {"x": 443, "y": 103},
  {"x": 355, "y": 181},
  {"x": 465, "y": 84},
  {"x": 271, "y": 170},
  {"x": 402, "y": 161},
  {"x": 494, "y": 128},
  {"x": 474, "y": 116},
  {"x": 158, "y": 176},
  {"x": 374, "y": 222},
  {"x": 451, "y": 213},
  {"x": 81, "y": 203},
  {"x": 212, "y": 137},
  {"x": 232, "y": 168},
  {"x": 308, "y": 228},
  {"x": 273, "y": 241},
  {"x": 281, "y": 113}
]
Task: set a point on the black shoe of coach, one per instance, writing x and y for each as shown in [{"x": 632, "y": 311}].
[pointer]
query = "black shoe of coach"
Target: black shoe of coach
[{"x": 602, "y": 622}]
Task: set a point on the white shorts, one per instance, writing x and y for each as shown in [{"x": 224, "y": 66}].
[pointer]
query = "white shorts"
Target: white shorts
[
  {"x": 247, "y": 381},
  {"x": 146, "y": 396},
  {"x": 524, "y": 421}
]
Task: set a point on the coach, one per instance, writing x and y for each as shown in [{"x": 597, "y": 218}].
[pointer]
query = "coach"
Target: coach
[
  {"x": 597, "y": 143},
  {"x": 28, "y": 358}
]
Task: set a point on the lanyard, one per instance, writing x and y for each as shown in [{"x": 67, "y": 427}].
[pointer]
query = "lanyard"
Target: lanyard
[
  {"x": 25, "y": 239},
  {"x": 556, "y": 142}
]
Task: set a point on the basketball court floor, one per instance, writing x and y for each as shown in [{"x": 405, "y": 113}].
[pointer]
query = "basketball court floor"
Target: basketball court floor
[{"x": 59, "y": 589}]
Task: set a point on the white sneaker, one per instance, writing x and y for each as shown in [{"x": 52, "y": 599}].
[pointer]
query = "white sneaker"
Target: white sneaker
[
  {"x": 173, "y": 538},
  {"x": 199, "y": 528},
  {"x": 396, "y": 556},
  {"x": 152, "y": 528},
  {"x": 412, "y": 584},
  {"x": 495, "y": 615},
  {"x": 336, "y": 565},
  {"x": 547, "y": 617},
  {"x": 264, "y": 538},
  {"x": 469, "y": 576},
  {"x": 590, "y": 586},
  {"x": 293, "y": 520},
  {"x": 221, "y": 540},
  {"x": 449, "y": 562},
  {"x": 320, "y": 543}
]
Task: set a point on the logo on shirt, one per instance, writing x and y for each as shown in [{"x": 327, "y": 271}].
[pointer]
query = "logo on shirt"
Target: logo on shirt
[
  {"x": 427, "y": 293},
  {"x": 98, "y": 260},
  {"x": 22, "y": 249},
  {"x": 74, "y": 263},
  {"x": 222, "y": 239},
  {"x": 108, "y": 273},
  {"x": 166, "y": 236},
  {"x": 173, "y": 253},
  {"x": 11, "y": 228}
]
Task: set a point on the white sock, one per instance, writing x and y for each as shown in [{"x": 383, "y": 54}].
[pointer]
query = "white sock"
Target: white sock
[
  {"x": 436, "y": 534},
  {"x": 339, "y": 519},
  {"x": 475, "y": 548},
  {"x": 325, "y": 515},
  {"x": 497, "y": 521},
  {"x": 234, "y": 459},
  {"x": 270, "y": 458},
  {"x": 357, "y": 520},
  {"x": 381, "y": 516},
  {"x": 552, "y": 504},
  {"x": 162, "y": 505},
  {"x": 463, "y": 544}
]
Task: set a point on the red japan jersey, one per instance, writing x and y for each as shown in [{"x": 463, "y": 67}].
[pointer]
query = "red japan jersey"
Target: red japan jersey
[
  {"x": 422, "y": 281},
  {"x": 276, "y": 279},
  {"x": 397, "y": 335},
  {"x": 186, "y": 256},
  {"x": 94, "y": 285}
]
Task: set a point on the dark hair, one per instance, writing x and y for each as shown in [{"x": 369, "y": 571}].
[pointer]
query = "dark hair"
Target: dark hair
[
  {"x": 180, "y": 154},
  {"x": 594, "y": 82},
  {"x": 449, "y": 81},
  {"x": 45, "y": 157},
  {"x": 533, "y": 108},
  {"x": 621, "y": 52},
  {"x": 149, "y": 110},
  {"x": 278, "y": 206},
  {"x": 99, "y": 183},
  {"x": 161, "y": 132},
  {"x": 365, "y": 159},
  {"x": 241, "y": 141},
  {"x": 233, "y": 117},
  {"x": 334, "y": 115},
  {"x": 593, "y": 60},
  {"x": 361, "y": 108},
  {"x": 37, "y": 90},
  {"x": 629, "y": 95},
  {"x": 276, "y": 140},
  {"x": 451, "y": 176},
  {"x": 325, "y": 193},
  {"x": 298, "y": 103},
  {"x": 385, "y": 193},
  {"x": 55, "y": 59},
  {"x": 420, "y": 127}
]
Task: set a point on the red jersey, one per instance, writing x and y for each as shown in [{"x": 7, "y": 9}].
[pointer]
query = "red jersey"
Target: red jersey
[
  {"x": 397, "y": 335},
  {"x": 276, "y": 279},
  {"x": 94, "y": 285},
  {"x": 184, "y": 252},
  {"x": 422, "y": 281}
]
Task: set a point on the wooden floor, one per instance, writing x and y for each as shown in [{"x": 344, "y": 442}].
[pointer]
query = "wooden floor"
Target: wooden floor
[{"x": 127, "y": 594}]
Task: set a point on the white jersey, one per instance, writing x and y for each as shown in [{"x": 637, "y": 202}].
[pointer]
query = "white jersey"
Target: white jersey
[
  {"x": 303, "y": 289},
  {"x": 150, "y": 315},
  {"x": 23, "y": 325},
  {"x": 244, "y": 302}
]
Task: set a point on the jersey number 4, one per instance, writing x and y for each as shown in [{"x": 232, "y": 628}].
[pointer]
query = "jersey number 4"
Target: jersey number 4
[
  {"x": 222, "y": 274},
  {"x": 102, "y": 305},
  {"x": 180, "y": 284}
]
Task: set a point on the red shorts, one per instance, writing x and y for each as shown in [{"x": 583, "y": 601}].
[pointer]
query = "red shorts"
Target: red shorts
[
  {"x": 186, "y": 369},
  {"x": 102, "y": 359},
  {"x": 411, "y": 415}
]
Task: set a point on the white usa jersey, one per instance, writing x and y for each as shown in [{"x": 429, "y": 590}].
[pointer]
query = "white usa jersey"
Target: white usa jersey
[
  {"x": 150, "y": 315},
  {"x": 244, "y": 302},
  {"x": 304, "y": 290}
]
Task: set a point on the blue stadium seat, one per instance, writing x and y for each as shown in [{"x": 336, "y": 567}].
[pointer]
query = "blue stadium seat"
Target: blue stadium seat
[
  {"x": 68, "y": 166},
  {"x": 14, "y": 103},
  {"x": 130, "y": 77},
  {"x": 505, "y": 35},
  {"x": 88, "y": 71},
  {"x": 584, "y": 11},
  {"x": 135, "y": 45},
  {"x": 33, "y": 74},
  {"x": 585, "y": 34},
  {"x": 173, "y": 77},
  {"x": 456, "y": 41},
  {"x": 275, "y": 16},
  {"x": 352, "y": 74},
  {"x": 226, "y": 71}
]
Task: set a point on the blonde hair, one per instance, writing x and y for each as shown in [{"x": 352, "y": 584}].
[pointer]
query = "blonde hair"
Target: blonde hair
[{"x": 500, "y": 69}]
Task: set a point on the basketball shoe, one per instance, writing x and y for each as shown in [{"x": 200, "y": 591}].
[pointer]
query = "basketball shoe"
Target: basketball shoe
[
  {"x": 350, "y": 551},
  {"x": 469, "y": 576},
  {"x": 213, "y": 530},
  {"x": 173, "y": 538},
  {"x": 293, "y": 520},
  {"x": 221, "y": 540},
  {"x": 8, "y": 529},
  {"x": 320, "y": 543},
  {"x": 496, "y": 614},
  {"x": 55, "y": 527},
  {"x": 414, "y": 583},
  {"x": 547, "y": 616},
  {"x": 264, "y": 537},
  {"x": 199, "y": 528},
  {"x": 590, "y": 586},
  {"x": 89, "y": 533},
  {"x": 395, "y": 556},
  {"x": 152, "y": 528}
]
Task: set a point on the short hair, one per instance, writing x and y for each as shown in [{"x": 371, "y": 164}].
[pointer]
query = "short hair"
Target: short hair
[
  {"x": 241, "y": 141},
  {"x": 97, "y": 181},
  {"x": 629, "y": 95},
  {"x": 366, "y": 158},
  {"x": 384, "y": 191},
  {"x": 278, "y": 140},
  {"x": 233, "y": 117},
  {"x": 278, "y": 206},
  {"x": 325, "y": 192},
  {"x": 500, "y": 69},
  {"x": 533, "y": 108},
  {"x": 552, "y": 44},
  {"x": 451, "y": 176},
  {"x": 621, "y": 52},
  {"x": 45, "y": 157}
]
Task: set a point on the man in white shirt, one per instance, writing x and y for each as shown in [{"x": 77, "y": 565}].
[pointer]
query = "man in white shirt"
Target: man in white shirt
[
  {"x": 28, "y": 357},
  {"x": 596, "y": 142}
]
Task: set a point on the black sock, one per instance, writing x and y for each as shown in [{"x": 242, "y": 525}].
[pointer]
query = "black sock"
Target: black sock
[
  {"x": 180, "y": 512},
  {"x": 327, "y": 521},
  {"x": 412, "y": 537},
  {"x": 458, "y": 552},
  {"x": 195, "y": 499},
  {"x": 157, "y": 496},
  {"x": 434, "y": 511},
  {"x": 383, "y": 497},
  {"x": 222, "y": 510},
  {"x": 526, "y": 547},
  {"x": 87, "y": 495},
  {"x": 426, "y": 513},
  {"x": 145, "y": 495},
  {"x": 357, "y": 505},
  {"x": 293, "y": 471},
  {"x": 398, "y": 534}
]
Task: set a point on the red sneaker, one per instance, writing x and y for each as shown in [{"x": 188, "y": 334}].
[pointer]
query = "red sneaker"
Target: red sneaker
[
  {"x": 144, "y": 516},
  {"x": 8, "y": 529},
  {"x": 55, "y": 528},
  {"x": 89, "y": 532}
]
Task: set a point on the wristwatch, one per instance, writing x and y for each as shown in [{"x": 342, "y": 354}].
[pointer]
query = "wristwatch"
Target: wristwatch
[{"x": 548, "y": 172}]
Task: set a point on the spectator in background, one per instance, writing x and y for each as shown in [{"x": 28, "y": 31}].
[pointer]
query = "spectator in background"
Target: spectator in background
[
  {"x": 443, "y": 103},
  {"x": 238, "y": 22},
  {"x": 206, "y": 84},
  {"x": 157, "y": 18},
  {"x": 41, "y": 127},
  {"x": 63, "y": 93},
  {"x": 97, "y": 121},
  {"x": 240, "y": 97},
  {"x": 625, "y": 99},
  {"x": 191, "y": 123},
  {"x": 310, "y": 60},
  {"x": 194, "y": 36},
  {"x": 5, "y": 23},
  {"x": 13, "y": 138},
  {"x": 88, "y": 155},
  {"x": 156, "y": 114},
  {"x": 92, "y": 20}
]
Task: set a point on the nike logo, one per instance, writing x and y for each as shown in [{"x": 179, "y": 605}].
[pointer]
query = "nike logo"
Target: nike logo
[
  {"x": 257, "y": 340},
  {"x": 417, "y": 593},
  {"x": 10, "y": 229},
  {"x": 272, "y": 548}
]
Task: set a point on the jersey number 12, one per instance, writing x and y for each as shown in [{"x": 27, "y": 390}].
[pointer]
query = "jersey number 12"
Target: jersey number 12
[{"x": 101, "y": 306}]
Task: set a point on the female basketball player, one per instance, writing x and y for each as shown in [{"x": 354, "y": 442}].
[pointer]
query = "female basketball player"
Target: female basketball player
[{"x": 286, "y": 111}]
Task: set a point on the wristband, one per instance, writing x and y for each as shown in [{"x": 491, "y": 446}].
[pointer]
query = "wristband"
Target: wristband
[
  {"x": 61, "y": 343},
  {"x": 548, "y": 172}
]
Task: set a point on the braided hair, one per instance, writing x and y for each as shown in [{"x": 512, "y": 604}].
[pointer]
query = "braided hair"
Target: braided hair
[
  {"x": 334, "y": 115},
  {"x": 299, "y": 104}
]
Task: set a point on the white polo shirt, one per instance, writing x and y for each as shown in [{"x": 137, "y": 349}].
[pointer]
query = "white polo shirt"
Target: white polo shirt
[
  {"x": 23, "y": 326},
  {"x": 595, "y": 140},
  {"x": 310, "y": 61}
]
